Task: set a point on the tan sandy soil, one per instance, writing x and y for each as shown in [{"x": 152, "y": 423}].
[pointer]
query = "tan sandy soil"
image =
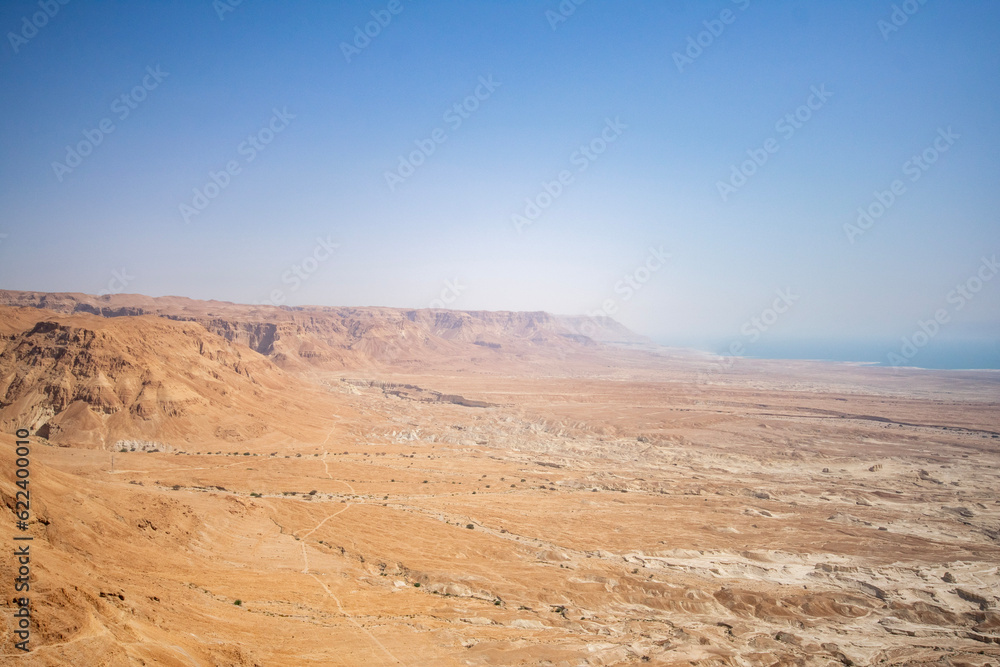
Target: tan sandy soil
[{"x": 627, "y": 506}]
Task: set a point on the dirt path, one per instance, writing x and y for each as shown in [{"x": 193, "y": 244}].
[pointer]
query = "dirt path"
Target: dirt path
[{"x": 305, "y": 561}]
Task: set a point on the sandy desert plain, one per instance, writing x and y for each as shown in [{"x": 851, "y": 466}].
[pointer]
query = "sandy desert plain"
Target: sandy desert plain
[{"x": 350, "y": 486}]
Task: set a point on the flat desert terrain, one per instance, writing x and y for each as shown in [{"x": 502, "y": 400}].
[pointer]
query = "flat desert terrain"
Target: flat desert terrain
[{"x": 285, "y": 494}]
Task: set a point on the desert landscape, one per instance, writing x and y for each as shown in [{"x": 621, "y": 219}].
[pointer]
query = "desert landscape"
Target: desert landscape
[
  {"x": 499, "y": 334},
  {"x": 220, "y": 484}
]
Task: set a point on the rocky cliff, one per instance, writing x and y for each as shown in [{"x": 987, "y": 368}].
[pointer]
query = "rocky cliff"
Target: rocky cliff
[
  {"x": 349, "y": 338},
  {"x": 92, "y": 381}
]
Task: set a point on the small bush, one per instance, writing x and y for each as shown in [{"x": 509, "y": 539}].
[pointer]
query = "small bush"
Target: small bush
[
  {"x": 469, "y": 526},
  {"x": 238, "y": 603}
]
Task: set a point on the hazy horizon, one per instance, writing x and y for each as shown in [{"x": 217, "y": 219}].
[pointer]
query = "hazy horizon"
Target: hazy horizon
[{"x": 779, "y": 179}]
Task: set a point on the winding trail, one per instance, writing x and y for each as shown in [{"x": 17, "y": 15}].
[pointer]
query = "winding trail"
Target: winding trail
[
  {"x": 305, "y": 560},
  {"x": 355, "y": 622},
  {"x": 305, "y": 557}
]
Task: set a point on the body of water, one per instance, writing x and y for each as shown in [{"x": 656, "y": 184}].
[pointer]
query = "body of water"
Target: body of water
[{"x": 936, "y": 354}]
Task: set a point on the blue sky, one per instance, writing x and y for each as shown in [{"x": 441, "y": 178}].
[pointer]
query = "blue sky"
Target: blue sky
[{"x": 446, "y": 233}]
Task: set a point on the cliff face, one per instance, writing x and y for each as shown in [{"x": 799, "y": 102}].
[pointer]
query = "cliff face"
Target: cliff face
[
  {"x": 259, "y": 337},
  {"x": 93, "y": 371},
  {"x": 350, "y": 338},
  {"x": 91, "y": 381}
]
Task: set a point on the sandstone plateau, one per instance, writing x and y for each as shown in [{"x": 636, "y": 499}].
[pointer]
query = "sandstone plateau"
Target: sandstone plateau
[{"x": 220, "y": 484}]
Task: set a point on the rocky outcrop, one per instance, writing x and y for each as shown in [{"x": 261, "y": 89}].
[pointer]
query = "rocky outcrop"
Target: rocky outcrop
[{"x": 82, "y": 380}]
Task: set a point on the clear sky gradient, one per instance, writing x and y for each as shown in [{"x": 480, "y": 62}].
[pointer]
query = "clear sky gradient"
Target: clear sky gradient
[{"x": 665, "y": 119}]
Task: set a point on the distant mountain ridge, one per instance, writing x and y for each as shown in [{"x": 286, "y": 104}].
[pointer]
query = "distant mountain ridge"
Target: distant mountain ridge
[
  {"x": 94, "y": 371},
  {"x": 357, "y": 337}
]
